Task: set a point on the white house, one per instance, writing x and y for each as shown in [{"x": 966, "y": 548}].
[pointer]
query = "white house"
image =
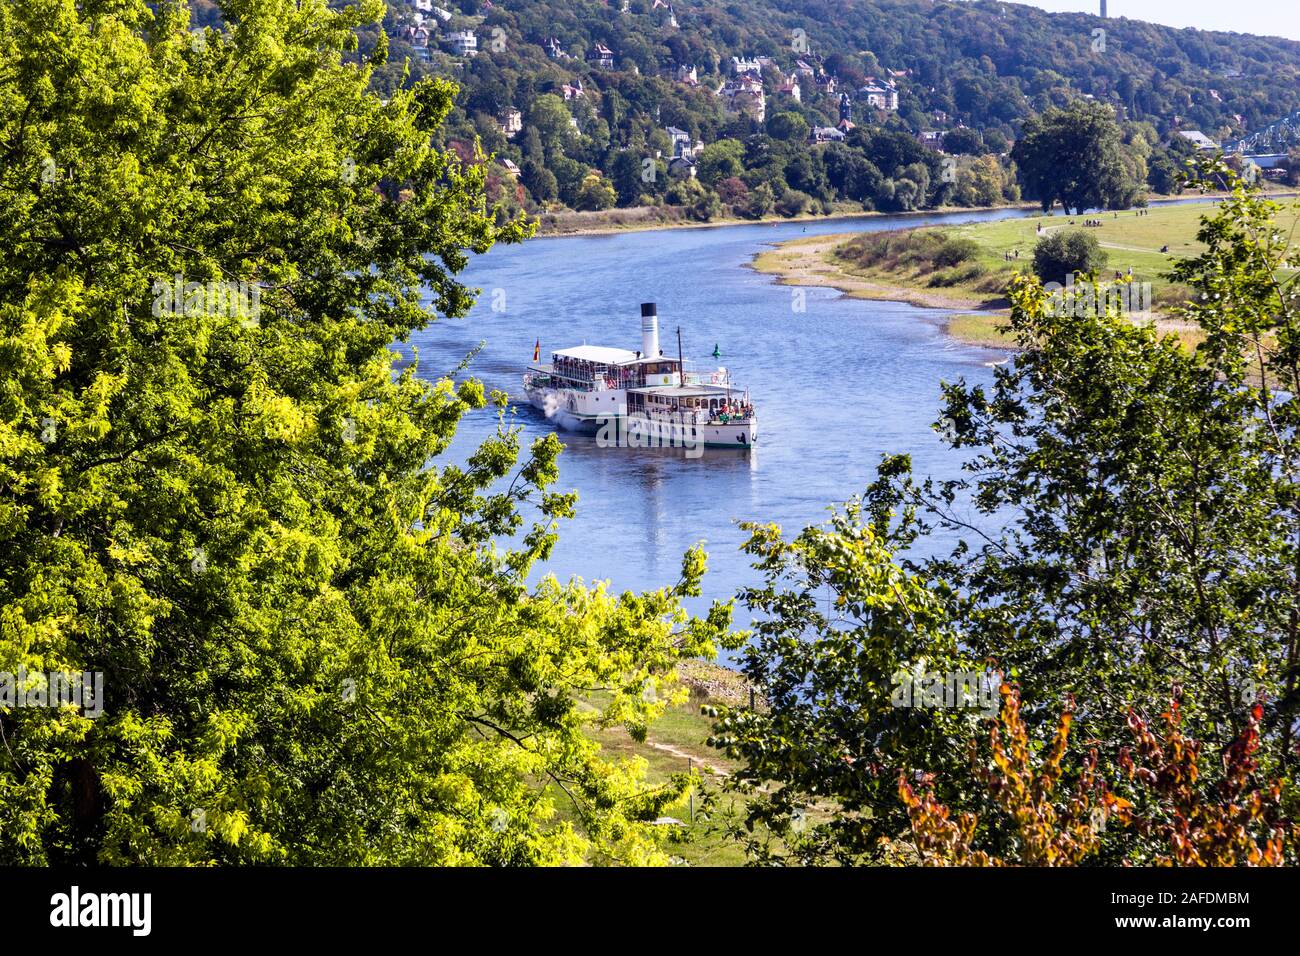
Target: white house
[
  {"x": 882, "y": 94},
  {"x": 1198, "y": 139},
  {"x": 463, "y": 42},
  {"x": 825, "y": 134},
  {"x": 601, "y": 56},
  {"x": 512, "y": 121}
]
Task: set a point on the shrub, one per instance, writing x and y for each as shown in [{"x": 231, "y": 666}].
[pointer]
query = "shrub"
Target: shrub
[
  {"x": 956, "y": 275},
  {"x": 1063, "y": 253},
  {"x": 792, "y": 203},
  {"x": 955, "y": 251}
]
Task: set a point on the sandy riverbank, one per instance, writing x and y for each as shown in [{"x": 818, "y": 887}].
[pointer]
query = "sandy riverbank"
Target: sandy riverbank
[{"x": 808, "y": 262}]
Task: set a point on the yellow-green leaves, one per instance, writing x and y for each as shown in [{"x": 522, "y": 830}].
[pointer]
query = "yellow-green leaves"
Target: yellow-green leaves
[{"x": 318, "y": 638}]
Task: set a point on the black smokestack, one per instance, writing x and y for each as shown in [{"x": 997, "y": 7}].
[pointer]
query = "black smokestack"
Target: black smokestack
[{"x": 648, "y": 309}]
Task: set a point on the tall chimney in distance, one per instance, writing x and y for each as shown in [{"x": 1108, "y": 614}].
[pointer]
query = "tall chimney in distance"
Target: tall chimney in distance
[
  {"x": 649, "y": 330},
  {"x": 1103, "y": 9}
]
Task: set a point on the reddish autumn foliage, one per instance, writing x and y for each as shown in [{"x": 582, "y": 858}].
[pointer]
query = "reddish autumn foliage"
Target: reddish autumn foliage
[
  {"x": 1050, "y": 835},
  {"x": 1232, "y": 823}
]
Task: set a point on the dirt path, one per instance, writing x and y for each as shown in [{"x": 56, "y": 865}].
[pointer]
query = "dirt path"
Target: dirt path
[{"x": 684, "y": 755}]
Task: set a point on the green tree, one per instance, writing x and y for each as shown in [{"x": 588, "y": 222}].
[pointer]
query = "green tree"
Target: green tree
[
  {"x": 569, "y": 177},
  {"x": 760, "y": 202},
  {"x": 231, "y": 505},
  {"x": 851, "y": 174},
  {"x": 1128, "y": 525},
  {"x": 540, "y": 181},
  {"x": 792, "y": 202},
  {"x": 721, "y": 160},
  {"x": 836, "y": 614},
  {"x": 1073, "y": 156},
  {"x": 552, "y": 120},
  {"x": 963, "y": 141},
  {"x": 788, "y": 126},
  {"x": 596, "y": 192},
  {"x": 1162, "y": 176},
  {"x": 626, "y": 176}
]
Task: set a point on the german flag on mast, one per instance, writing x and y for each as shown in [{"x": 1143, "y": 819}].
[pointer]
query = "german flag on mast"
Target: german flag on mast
[{"x": 537, "y": 351}]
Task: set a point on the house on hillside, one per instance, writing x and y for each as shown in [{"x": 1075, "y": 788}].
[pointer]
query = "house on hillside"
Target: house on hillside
[
  {"x": 572, "y": 92},
  {"x": 933, "y": 138},
  {"x": 601, "y": 57},
  {"x": 418, "y": 37},
  {"x": 1198, "y": 139},
  {"x": 790, "y": 88},
  {"x": 744, "y": 95},
  {"x": 554, "y": 50},
  {"x": 825, "y": 134},
  {"x": 754, "y": 65},
  {"x": 882, "y": 94},
  {"x": 688, "y": 75},
  {"x": 684, "y": 147},
  {"x": 683, "y": 167},
  {"x": 462, "y": 42},
  {"x": 512, "y": 121}
]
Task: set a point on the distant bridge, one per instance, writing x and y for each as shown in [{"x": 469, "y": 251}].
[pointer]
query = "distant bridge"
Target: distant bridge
[{"x": 1276, "y": 137}]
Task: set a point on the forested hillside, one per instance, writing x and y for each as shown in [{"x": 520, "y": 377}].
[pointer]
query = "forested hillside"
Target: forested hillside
[{"x": 758, "y": 90}]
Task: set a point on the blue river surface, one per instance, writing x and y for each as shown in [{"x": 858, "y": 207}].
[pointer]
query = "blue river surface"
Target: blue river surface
[{"x": 836, "y": 386}]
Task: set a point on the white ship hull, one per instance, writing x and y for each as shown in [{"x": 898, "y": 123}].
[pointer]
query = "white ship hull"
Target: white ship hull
[
  {"x": 642, "y": 399},
  {"x": 590, "y": 412}
]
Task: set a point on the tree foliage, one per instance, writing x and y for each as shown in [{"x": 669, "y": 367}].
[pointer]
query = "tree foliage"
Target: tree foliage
[
  {"x": 1064, "y": 252},
  {"x": 966, "y": 68},
  {"x": 317, "y": 640},
  {"x": 1128, "y": 521},
  {"x": 1074, "y": 156},
  {"x": 1233, "y": 823}
]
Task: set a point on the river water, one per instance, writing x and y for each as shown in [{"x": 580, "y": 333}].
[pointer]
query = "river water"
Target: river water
[{"x": 835, "y": 386}]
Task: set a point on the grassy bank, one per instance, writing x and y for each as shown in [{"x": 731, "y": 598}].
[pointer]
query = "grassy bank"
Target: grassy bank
[
  {"x": 676, "y": 744},
  {"x": 965, "y": 268}
]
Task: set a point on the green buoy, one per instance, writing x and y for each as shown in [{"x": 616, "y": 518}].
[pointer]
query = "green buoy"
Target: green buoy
[{"x": 717, "y": 351}]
